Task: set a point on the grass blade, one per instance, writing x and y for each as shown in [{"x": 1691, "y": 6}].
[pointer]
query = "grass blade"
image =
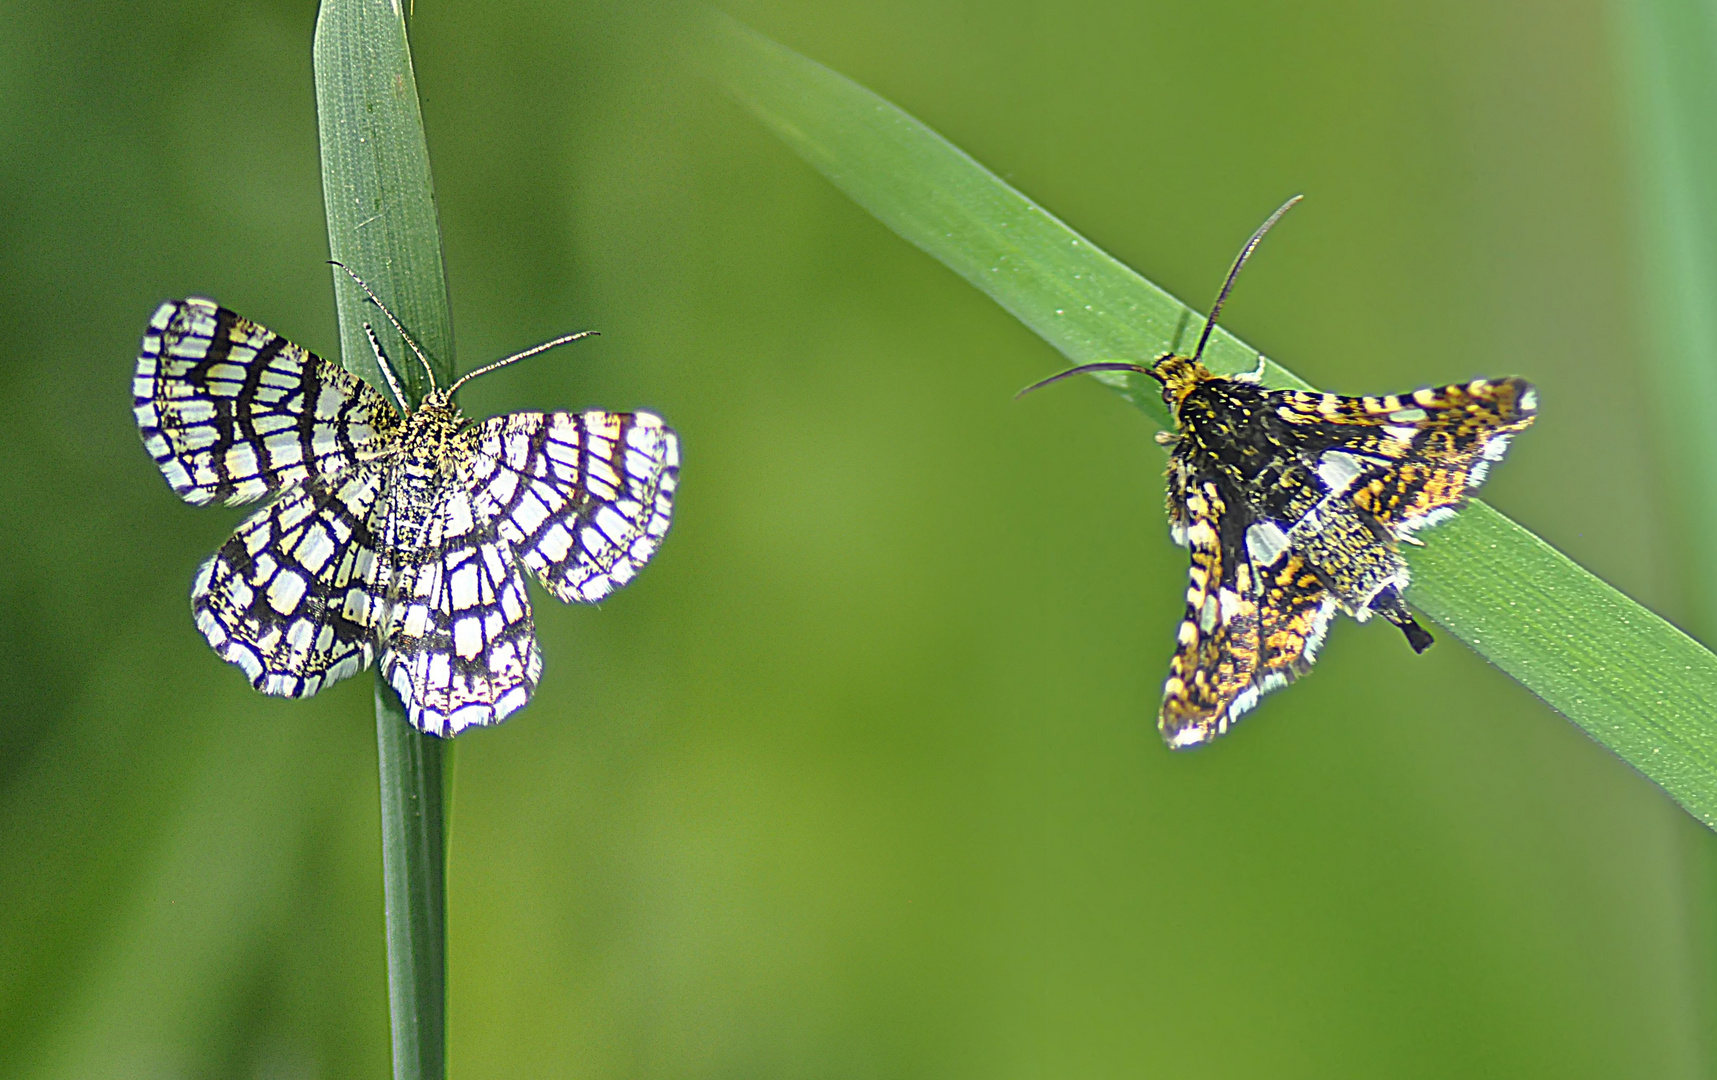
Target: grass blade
[
  {"x": 1625, "y": 676},
  {"x": 414, "y": 860},
  {"x": 382, "y": 224},
  {"x": 377, "y": 189}
]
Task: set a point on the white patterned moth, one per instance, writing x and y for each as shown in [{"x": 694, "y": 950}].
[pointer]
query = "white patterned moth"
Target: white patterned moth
[{"x": 391, "y": 538}]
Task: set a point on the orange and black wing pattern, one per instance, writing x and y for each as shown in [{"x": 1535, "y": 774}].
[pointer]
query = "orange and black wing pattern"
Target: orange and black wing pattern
[
  {"x": 1427, "y": 450},
  {"x": 1217, "y": 652},
  {"x": 1246, "y": 630},
  {"x": 1291, "y": 504}
]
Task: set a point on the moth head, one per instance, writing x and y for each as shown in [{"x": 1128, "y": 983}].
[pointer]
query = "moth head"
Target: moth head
[
  {"x": 436, "y": 401},
  {"x": 1179, "y": 376}
]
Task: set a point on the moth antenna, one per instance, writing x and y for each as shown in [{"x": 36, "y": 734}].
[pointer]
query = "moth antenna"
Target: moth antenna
[
  {"x": 1234, "y": 272},
  {"x": 564, "y": 339},
  {"x": 398, "y": 327},
  {"x": 1209, "y": 323},
  {"x": 1102, "y": 365},
  {"x": 387, "y": 369}
]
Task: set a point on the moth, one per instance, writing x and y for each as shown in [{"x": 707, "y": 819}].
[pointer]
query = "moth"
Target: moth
[
  {"x": 391, "y": 537},
  {"x": 1293, "y": 505}
]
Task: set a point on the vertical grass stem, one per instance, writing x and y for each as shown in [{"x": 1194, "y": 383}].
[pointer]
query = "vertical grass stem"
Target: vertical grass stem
[{"x": 382, "y": 223}]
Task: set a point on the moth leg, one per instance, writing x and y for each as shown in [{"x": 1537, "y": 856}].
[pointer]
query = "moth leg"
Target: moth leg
[
  {"x": 1255, "y": 376},
  {"x": 1176, "y": 500}
]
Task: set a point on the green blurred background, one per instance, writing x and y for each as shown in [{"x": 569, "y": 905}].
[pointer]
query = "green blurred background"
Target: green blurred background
[{"x": 859, "y": 779}]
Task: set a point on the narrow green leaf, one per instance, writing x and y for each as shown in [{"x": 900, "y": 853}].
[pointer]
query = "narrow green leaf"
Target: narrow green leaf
[
  {"x": 1628, "y": 678},
  {"x": 414, "y": 858},
  {"x": 378, "y": 192},
  {"x": 382, "y": 224}
]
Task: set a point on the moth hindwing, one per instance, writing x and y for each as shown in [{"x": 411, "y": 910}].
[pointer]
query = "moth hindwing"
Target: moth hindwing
[{"x": 394, "y": 539}]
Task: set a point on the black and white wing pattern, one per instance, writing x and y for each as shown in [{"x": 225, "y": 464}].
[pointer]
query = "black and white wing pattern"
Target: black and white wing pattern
[
  {"x": 584, "y": 498},
  {"x": 392, "y": 539},
  {"x": 581, "y": 499},
  {"x": 232, "y": 412},
  {"x": 287, "y": 599},
  {"x": 453, "y": 617}
]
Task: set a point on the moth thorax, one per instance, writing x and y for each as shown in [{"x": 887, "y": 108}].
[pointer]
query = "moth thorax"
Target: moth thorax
[{"x": 430, "y": 432}]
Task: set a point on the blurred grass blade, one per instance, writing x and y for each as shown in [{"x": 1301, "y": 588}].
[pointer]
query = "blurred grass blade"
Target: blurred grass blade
[
  {"x": 1628, "y": 678},
  {"x": 382, "y": 223},
  {"x": 1671, "y": 64}
]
